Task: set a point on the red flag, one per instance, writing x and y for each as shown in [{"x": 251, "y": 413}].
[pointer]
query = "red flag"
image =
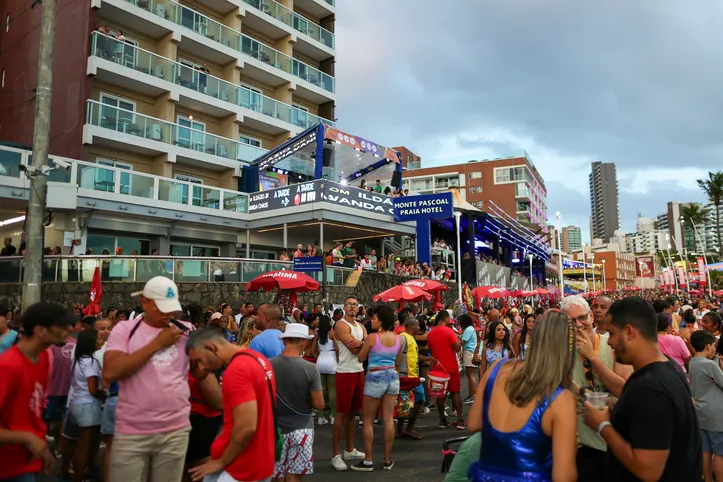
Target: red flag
[{"x": 96, "y": 293}]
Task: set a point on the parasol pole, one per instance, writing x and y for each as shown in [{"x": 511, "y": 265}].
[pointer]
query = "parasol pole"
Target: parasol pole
[{"x": 457, "y": 216}]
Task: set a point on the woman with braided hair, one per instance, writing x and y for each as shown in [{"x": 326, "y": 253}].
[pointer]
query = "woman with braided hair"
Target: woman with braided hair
[{"x": 527, "y": 413}]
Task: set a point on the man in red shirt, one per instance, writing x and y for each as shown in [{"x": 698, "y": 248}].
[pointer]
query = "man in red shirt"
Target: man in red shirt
[
  {"x": 25, "y": 370},
  {"x": 246, "y": 448},
  {"x": 444, "y": 346}
]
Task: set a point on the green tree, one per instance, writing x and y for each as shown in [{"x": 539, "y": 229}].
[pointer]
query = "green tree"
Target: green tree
[
  {"x": 713, "y": 187},
  {"x": 695, "y": 214}
]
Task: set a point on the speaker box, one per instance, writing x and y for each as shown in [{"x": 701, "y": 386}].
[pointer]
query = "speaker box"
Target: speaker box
[
  {"x": 328, "y": 153},
  {"x": 396, "y": 179}
]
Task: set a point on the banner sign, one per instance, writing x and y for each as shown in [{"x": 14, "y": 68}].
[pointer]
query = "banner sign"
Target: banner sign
[
  {"x": 295, "y": 195},
  {"x": 701, "y": 271},
  {"x": 360, "y": 144},
  {"x": 306, "y": 265},
  {"x": 273, "y": 157},
  {"x": 272, "y": 180},
  {"x": 356, "y": 198},
  {"x": 423, "y": 207},
  {"x": 237, "y": 203},
  {"x": 670, "y": 278},
  {"x": 493, "y": 275},
  {"x": 644, "y": 267},
  {"x": 681, "y": 276},
  {"x": 661, "y": 277},
  {"x": 518, "y": 283}
]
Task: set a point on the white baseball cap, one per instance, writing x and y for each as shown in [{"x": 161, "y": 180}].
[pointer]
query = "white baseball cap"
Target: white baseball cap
[
  {"x": 296, "y": 330},
  {"x": 164, "y": 292}
]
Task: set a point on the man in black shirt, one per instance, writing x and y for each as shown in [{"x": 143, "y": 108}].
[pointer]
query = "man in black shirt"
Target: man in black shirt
[
  {"x": 653, "y": 433},
  {"x": 8, "y": 248}
]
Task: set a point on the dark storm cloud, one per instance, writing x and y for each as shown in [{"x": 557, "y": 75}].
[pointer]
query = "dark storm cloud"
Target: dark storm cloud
[{"x": 635, "y": 83}]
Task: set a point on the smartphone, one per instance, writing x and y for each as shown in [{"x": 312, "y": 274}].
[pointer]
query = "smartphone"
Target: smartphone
[{"x": 179, "y": 325}]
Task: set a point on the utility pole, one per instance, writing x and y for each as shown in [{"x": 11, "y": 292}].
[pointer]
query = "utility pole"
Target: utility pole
[{"x": 35, "y": 232}]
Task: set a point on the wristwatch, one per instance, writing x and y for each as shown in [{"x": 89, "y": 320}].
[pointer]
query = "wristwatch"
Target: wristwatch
[{"x": 602, "y": 426}]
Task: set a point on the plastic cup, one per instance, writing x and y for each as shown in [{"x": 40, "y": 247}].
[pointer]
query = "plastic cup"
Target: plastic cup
[{"x": 597, "y": 399}]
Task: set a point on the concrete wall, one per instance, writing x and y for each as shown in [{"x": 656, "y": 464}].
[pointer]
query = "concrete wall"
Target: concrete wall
[{"x": 212, "y": 294}]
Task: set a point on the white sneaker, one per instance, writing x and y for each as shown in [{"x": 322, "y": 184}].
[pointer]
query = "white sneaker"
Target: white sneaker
[
  {"x": 49, "y": 439},
  {"x": 338, "y": 463},
  {"x": 331, "y": 420},
  {"x": 353, "y": 455},
  {"x": 323, "y": 421}
]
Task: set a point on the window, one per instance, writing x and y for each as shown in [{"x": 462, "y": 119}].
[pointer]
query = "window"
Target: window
[
  {"x": 300, "y": 116},
  {"x": 119, "y": 115},
  {"x": 196, "y": 193},
  {"x": 99, "y": 242},
  {"x": 251, "y": 141},
  {"x": 106, "y": 177},
  {"x": 252, "y": 98},
  {"x": 471, "y": 190},
  {"x": 475, "y": 175},
  {"x": 191, "y": 133},
  {"x": 502, "y": 175}
]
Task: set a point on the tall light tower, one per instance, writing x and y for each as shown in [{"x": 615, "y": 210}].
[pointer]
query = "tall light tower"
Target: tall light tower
[
  {"x": 559, "y": 252},
  {"x": 584, "y": 268}
]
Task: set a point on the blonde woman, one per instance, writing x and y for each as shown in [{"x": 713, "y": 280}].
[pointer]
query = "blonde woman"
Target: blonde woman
[
  {"x": 248, "y": 332},
  {"x": 526, "y": 411}
]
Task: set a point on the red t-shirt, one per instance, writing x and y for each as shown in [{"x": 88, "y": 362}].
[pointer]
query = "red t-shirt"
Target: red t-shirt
[
  {"x": 198, "y": 403},
  {"x": 399, "y": 330},
  {"x": 243, "y": 381},
  {"x": 441, "y": 342},
  {"x": 23, "y": 397}
]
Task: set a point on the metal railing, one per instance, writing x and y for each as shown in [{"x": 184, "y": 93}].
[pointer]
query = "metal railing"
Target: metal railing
[
  {"x": 294, "y": 20},
  {"x": 140, "y": 60},
  {"x": 139, "y": 269},
  {"x": 98, "y": 180},
  {"x": 153, "y": 129},
  {"x": 213, "y": 30}
]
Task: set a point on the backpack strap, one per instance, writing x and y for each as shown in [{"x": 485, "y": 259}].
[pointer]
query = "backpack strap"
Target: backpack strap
[{"x": 135, "y": 328}]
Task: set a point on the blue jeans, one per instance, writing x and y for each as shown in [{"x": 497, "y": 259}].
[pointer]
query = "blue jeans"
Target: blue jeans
[{"x": 22, "y": 478}]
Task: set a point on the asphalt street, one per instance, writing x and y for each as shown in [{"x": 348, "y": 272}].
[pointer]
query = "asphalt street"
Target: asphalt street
[{"x": 413, "y": 459}]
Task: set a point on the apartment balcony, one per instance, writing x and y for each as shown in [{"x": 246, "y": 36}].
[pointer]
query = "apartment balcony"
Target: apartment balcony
[
  {"x": 522, "y": 193},
  {"x": 209, "y": 39},
  {"x": 148, "y": 73},
  {"x": 317, "y": 8},
  {"x": 130, "y": 131},
  {"x": 102, "y": 183},
  {"x": 276, "y": 21}
]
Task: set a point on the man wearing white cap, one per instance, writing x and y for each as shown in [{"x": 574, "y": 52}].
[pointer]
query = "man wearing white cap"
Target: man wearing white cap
[
  {"x": 146, "y": 355},
  {"x": 298, "y": 391}
]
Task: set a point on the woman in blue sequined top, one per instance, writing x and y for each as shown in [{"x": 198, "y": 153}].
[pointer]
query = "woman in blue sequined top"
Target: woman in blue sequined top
[{"x": 527, "y": 414}]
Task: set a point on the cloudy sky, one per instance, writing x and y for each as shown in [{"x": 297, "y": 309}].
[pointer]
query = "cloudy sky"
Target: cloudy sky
[{"x": 636, "y": 83}]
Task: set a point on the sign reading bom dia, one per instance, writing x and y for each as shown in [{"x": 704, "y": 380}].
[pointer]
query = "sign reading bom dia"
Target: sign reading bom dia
[{"x": 423, "y": 207}]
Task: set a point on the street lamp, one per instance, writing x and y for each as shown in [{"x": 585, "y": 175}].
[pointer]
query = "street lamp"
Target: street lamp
[
  {"x": 604, "y": 277},
  {"x": 457, "y": 216},
  {"x": 584, "y": 268},
  {"x": 685, "y": 265},
  {"x": 529, "y": 256},
  {"x": 702, "y": 250},
  {"x": 592, "y": 272},
  {"x": 672, "y": 266},
  {"x": 559, "y": 252}
]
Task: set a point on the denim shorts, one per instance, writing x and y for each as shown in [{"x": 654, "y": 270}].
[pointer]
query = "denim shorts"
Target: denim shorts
[
  {"x": 712, "y": 442},
  {"x": 86, "y": 414},
  {"x": 384, "y": 382},
  {"x": 107, "y": 422}
]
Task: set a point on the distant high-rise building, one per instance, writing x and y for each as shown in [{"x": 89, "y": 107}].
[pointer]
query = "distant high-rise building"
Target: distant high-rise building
[
  {"x": 604, "y": 200},
  {"x": 681, "y": 238},
  {"x": 646, "y": 224},
  {"x": 571, "y": 239},
  {"x": 663, "y": 222}
]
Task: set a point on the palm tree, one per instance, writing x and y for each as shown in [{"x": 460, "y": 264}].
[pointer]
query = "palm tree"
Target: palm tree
[
  {"x": 713, "y": 187},
  {"x": 695, "y": 215}
]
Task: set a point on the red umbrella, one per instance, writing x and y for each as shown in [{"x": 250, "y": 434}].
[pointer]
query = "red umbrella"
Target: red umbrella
[
  {"x": 283, "y": 280},
  {"x": 493, "y": 292},
  {"x": 718, "y": 293},
  {"x": 694, "y": 292},
  {"x": 96, "y": 293},
  {"x": 403, "y": 293},
  {"x": 541, "y": 291},
  {"x": 523, "y": 293},
  {"x": 430, "y": 286}
]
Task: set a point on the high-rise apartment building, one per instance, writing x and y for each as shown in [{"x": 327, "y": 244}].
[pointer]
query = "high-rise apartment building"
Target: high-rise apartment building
[
  {"x": 189, "y": 91},
  {"x": 571, "y": 239},
  {"x": 604, "y": 200},
  {"x": 513, "y": 184}
]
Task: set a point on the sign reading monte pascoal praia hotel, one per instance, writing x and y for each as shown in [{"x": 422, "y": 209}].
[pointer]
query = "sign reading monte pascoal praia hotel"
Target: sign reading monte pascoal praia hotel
[{"x": 320, "y": 191}]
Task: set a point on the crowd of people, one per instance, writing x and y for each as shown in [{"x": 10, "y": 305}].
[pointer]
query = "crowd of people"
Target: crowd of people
[{"x": 185, "y": 393}]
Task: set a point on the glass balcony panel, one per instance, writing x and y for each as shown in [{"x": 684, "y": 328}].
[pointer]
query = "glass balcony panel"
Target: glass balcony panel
[
  {"x": 238, "y": 203},
  {"x": 172, "y": 191}
]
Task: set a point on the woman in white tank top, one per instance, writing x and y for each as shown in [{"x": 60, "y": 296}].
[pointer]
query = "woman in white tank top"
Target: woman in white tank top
[{"x": 326, "y": 362}]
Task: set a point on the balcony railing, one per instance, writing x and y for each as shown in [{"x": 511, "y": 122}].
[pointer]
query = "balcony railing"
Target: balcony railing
[
  {"x": 146, "y": 127},
  {"x": 213, "y": 30},
  {"x": 294, "y": 20},
  {"x": 105, "y": 47},
  {"x": 99, "y": 180},
  {"x": 139, "y": 269}
]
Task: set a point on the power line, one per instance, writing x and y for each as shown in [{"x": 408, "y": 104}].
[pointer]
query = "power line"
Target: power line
[{"x": 32, "y": 5}]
